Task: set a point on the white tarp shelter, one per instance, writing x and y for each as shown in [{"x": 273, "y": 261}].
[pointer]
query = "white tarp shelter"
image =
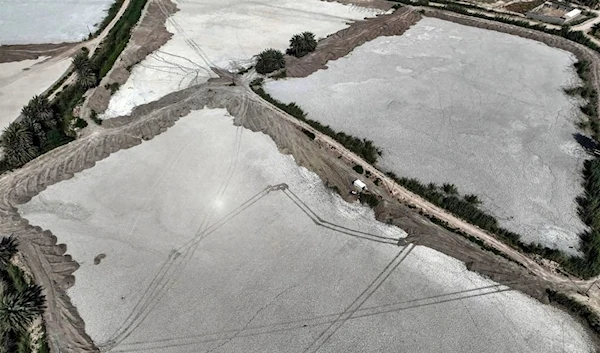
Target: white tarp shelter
[
  {"x": 360, "y": 185},
  {"x": 572, "y": 14}
]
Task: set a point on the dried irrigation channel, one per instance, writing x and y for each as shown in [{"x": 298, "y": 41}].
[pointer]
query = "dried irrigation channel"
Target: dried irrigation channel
[{"x": 269, "y": 234}]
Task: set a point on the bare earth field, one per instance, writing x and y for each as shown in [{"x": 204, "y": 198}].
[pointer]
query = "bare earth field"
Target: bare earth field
[
  {"x": 480, "y": 109},
  {"x": 49, "y": 21},
  {"x": 183, "y": 247},
  {"x": 225, "y": 34},
  {"x": 21, "y": 80}
]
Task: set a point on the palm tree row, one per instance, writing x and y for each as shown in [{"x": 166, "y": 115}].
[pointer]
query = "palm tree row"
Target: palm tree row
[
  {"x": 26, "y": 139},
  {"x": 21, "y": 302},
  {"x": 271, "y": 60}
]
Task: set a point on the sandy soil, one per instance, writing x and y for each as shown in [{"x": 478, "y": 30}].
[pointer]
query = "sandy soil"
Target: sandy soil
[
  {"x": 271, "y": 276},
  {"x": 21, "y": 80},
  {"x": 197, "y": 43},
  {"x": 10, "y": 53},
  {"x": 53, "y": 271},
  {"x": 63, "y": 21},
  {"x": 479, "y": 109}
]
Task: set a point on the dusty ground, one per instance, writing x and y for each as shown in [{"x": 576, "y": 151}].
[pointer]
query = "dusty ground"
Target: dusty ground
[
  {"x": 21, "y": 52},
  {"x": 343, "y": 42},
  {"x": 197, "y": 44},
  {"x": 54, "y": 271},
  {"x": 63, "y": 21},
  {"x": 479, "y": 109},
  {"x": 247, "y": 302},
  {"x": 21, "y": 80}
]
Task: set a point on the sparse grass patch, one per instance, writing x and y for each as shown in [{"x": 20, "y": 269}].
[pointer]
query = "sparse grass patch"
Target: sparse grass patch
[
  {"x": 370, "y": 199},
  {"x": 309, "y": 134}
]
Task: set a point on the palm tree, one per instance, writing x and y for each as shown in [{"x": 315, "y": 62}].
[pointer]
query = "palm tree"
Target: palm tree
[
  {"x": 302, "y": 44},
  {"x": 86, "y": 78},
  {"x": 39, "y": 117},
  {"x": 81, "y": 61},
  {"x": 19, "y": 309},
  {"x": 17, "y": 144},
  {"x": 8, "y": 247},
  {"x": 269, "y": 60}
]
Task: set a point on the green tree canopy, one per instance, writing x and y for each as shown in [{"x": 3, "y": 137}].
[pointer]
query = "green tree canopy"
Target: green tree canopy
[
  {"x": 19, "y": 309},
  {"x": 302, "y": 44},
  {"x": 17, "y": 144},
  {"x": 269, "y": 60},
  {"x": 8, "y": 248}
]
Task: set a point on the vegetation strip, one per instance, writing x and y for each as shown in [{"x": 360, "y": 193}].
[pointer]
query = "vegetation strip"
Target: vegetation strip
[
  {"x": 576, "y": 308},
  {"x": 47, "y": 125},
  {"x": 362, "y": 147},
  {"x": 21, "y": 303}
]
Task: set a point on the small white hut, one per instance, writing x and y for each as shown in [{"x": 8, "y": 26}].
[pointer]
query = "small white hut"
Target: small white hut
[{"x": 359, "y": 185}]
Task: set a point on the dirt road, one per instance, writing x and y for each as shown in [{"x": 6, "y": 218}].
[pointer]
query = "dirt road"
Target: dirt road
[{"x": 92, "y": 45}]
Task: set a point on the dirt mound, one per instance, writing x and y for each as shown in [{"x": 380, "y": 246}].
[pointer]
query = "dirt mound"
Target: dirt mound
[{"x": 343, "y": 42}]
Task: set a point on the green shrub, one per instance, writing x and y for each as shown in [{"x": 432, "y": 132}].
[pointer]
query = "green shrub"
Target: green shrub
[
  {"x": 369, "y": 199},
  {"x": 257, "y": 82},
  {"x": 112, "y": 87},
  {"x": 302, "y": 44},
  {"x": 309, "y": 134},
  {"x": 358, "y": 168},
  {"x": 269, "y": 60}
]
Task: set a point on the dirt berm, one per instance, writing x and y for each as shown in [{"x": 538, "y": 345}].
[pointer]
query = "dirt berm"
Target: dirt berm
[{"x": 343, "y": 42}]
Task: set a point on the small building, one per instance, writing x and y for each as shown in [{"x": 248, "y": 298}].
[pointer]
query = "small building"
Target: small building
[
  {"x": 554, "y": 12},
  {"x": 359, "y": 185}
]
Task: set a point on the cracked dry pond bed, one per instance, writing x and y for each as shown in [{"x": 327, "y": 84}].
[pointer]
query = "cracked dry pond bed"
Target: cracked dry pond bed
[
  {"x": 480, "y": 109},
  {"x": 202, "y": 255}
]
